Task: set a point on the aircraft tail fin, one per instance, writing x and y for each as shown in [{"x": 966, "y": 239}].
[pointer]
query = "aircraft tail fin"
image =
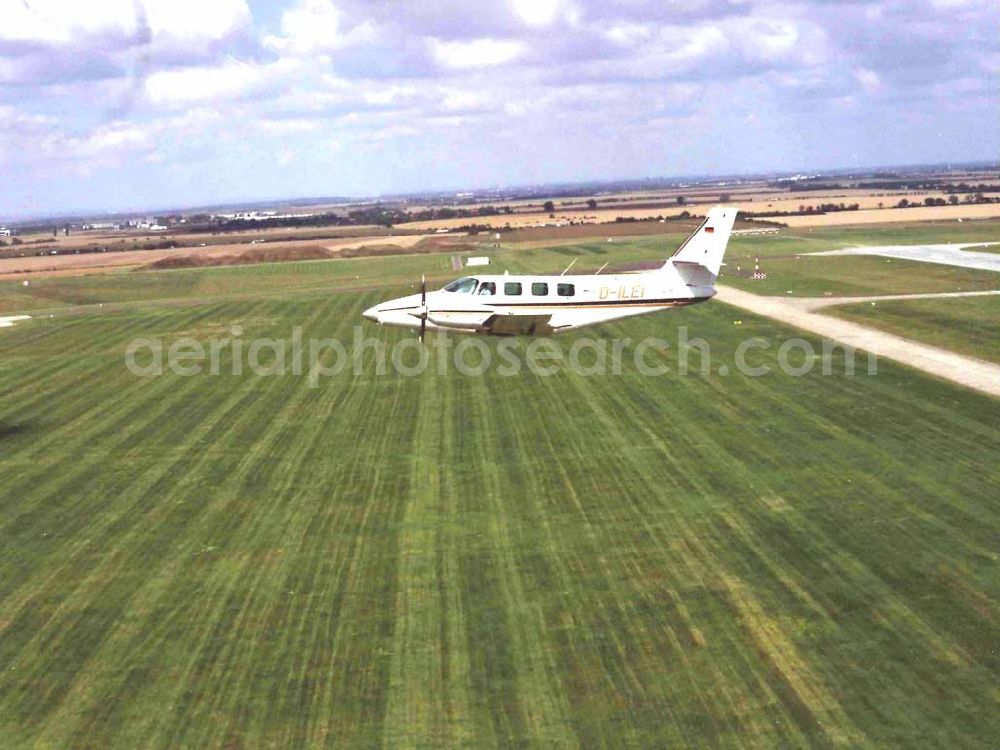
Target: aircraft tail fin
[{"x": 699, "y": 259}]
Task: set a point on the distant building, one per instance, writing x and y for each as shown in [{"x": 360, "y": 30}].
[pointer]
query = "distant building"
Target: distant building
[
  {"x": 250, "y": 215},
  {"x": 259, "y": 216},
  {"x": 4, "y": 232}
]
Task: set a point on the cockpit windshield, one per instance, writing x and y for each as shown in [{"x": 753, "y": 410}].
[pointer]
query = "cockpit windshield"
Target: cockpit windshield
[{"x": 465, "y": 285}]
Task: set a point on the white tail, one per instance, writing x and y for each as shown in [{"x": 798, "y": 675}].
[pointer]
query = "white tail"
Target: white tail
[{"x": 699, "y": 259}]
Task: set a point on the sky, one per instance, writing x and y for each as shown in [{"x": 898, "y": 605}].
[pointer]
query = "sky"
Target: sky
[{"x": 129, "y": 104}]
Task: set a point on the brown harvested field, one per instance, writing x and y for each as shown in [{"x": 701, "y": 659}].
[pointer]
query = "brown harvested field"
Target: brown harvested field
[
  {"x": 702, "y": 195},
  {"x": 542, "y": 220},
  {"x": 295, "y": 233},
  {"x": 868, "y": 213},
  {"x": 83, "y": 263},
  {"x": 528, "y": 237},
  {"x": 894, "y": 215},
  {"x": 754, "y": 192},
  {"x": 582, "y": 231}
]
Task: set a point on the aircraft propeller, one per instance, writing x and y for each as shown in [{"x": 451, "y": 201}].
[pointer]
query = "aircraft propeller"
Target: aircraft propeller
[{"x": 423, "y": 306}]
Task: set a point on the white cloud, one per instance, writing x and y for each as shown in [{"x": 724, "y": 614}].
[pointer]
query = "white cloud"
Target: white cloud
[
  {"x": 214, "y": 19},
  {"x": 703, "y": 42},
  {"x": 990, "y": 62},
  {"x": 477, "y": 53},
  {"x": 314, "y": 26},
  {"x": 66, "y": 21},
  {"x": 389, "y": 95},
  {"x": 536, "y": 12},
  {"x": 113, "y": 137},
  {"x": 310, "y": 25},
  {"x": 869, "y": 81},
  {"x": 288, "y": 127},
  {"x": 628, "y": 34},
  {"x": 61, "y": 20},
  {"x": 785, "y": 41},
  {"x": 463, "y": 101},
  {"x": 952, "y": 4},
  {"x": 115, "y": 141},
  {"x": 185, "y": 85},
  {"x": 771, "y": 39}
]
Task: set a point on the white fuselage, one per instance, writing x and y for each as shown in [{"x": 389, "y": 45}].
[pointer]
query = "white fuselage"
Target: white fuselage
[
  {"x": 530, "y": 304},
  {"x": 511, "y": 305}
]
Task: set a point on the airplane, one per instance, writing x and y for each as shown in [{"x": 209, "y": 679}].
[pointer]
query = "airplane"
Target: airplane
[{"x": 535, "y": 305}]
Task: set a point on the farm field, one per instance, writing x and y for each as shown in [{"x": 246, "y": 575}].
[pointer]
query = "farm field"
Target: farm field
[
  {"x": 236, "y": 560},
  {"x": 80, "y": 239},
  {"x": 966, "y": 325},
  {"x": 884, "y": 215},
  {"x": 870, "y": 213}
]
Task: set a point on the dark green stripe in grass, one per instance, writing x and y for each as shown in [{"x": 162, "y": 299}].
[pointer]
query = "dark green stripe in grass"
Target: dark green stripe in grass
[{"x": 492, "y": 671}]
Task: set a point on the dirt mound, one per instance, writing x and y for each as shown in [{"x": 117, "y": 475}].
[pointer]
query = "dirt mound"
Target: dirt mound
[
  {"x": 278, "y": 254},
  {"x": 273, "y": 254},
  {"x": 180, "y": 261},
  {"x": 422, "y": 248}
]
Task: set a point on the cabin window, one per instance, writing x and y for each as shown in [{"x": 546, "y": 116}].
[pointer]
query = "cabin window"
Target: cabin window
[
  {"x": 512, "y": 289},
  {"x": 487, "y": 289},
  {"x": 540, "y": 289},
  {"x": 565, "y": 290},
  {"x": 465, "y": 285}
]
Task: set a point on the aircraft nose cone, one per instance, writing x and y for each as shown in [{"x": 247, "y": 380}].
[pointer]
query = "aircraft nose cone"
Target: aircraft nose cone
[{"x": 371, "y": 313}]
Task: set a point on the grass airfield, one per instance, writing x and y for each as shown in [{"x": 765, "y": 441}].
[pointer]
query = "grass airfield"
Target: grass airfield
[
  {"x": 968, "y": 325},
  {"x": 626, "y": 561}
]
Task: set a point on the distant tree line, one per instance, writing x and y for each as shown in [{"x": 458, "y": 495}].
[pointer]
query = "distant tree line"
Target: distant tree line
[
  {"x": 682, "y": 216},
  {"x": 969, "y": 198},
  {"x": 944, "y": 187},
  {"x": 900, "y": 183},
  {"x": 804, "y": 210}
]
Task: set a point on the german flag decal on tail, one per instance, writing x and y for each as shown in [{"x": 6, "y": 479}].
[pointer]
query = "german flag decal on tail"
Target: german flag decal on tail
[{"x": 707, "y": 244}]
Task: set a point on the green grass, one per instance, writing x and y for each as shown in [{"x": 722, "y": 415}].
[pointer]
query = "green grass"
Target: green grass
[
  {"x": 621, "y": 561},
  {"x": 965, "y": 324},
  {"x": 815, "y": 239},
  {"x": 857, "y": 275},
  {"x": 277, "y": 279}
]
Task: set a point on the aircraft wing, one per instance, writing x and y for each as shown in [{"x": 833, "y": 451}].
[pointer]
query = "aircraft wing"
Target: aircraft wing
[{"x": 516, "y": 325}]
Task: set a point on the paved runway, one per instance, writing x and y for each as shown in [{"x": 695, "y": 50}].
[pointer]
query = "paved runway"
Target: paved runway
[
  {"x": 815, "y": 303},
  {"x": 951, "y": 255}
]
